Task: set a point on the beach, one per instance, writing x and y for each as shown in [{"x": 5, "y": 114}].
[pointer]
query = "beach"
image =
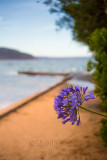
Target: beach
[{"x": 33, "y": 132}]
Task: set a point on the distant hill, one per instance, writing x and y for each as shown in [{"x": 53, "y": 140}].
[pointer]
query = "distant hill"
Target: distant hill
[{"x": 6, "y": 53}]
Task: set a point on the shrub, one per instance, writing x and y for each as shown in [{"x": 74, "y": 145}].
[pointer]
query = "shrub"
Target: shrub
[
  {"x": 98, "y": 44},
  {"x": 103, "y": 131}
]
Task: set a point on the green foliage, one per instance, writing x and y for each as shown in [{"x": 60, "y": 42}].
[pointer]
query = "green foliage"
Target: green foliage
[
  {"x": 103, "y": 131},
  {"x": 98, "y": 43},
  {"x": 81, "y": 16},
  {"x": 90, "y": 65}
]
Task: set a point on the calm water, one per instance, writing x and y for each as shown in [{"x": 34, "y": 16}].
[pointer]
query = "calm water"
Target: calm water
[{"x": 14, "y": 87}]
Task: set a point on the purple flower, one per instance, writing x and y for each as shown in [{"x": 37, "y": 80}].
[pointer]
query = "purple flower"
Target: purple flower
[
  {"x": 90, "y": 96},
  {"x": 84, "y": 89},
  {"x": 63, "y": 122},
  {"x": 78, "y": 121},
  {"x": 77, "y": 88},
  {"x": 67, "y": 103}
]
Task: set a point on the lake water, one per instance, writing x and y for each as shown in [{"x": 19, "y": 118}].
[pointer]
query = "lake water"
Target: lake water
[{"x": 14, "y": 87}]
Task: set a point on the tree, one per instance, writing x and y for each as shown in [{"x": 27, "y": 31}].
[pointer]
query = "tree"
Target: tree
[{"x": 81, "y": 16}]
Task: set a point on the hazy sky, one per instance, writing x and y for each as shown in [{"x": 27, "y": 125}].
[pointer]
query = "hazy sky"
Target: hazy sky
[{"x": 29, "y": 27}]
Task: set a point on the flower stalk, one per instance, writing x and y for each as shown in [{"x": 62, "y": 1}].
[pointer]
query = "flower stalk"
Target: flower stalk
[{"x": 89, "y": 110}]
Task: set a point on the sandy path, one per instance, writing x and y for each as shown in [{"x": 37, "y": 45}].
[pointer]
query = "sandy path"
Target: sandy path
[{"x": 34, "y": 133}]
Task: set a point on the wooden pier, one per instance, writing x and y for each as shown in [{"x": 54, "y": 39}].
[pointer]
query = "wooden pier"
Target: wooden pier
[{"x": 43, "y": 73}]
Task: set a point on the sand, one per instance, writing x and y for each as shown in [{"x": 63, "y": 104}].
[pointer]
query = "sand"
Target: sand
[{"x": 33, "y": 132}]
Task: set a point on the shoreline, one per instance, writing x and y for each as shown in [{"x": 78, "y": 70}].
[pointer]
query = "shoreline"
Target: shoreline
[
  {"x": 15, "y": 106},
  {"x": 71, "y": 76}
]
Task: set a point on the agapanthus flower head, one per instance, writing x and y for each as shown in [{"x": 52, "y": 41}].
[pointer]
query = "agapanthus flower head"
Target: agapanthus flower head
[{"x": 67, "y": 103}]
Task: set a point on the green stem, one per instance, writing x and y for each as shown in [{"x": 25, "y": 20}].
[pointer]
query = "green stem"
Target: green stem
[{"x": 89, "y": 110}]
